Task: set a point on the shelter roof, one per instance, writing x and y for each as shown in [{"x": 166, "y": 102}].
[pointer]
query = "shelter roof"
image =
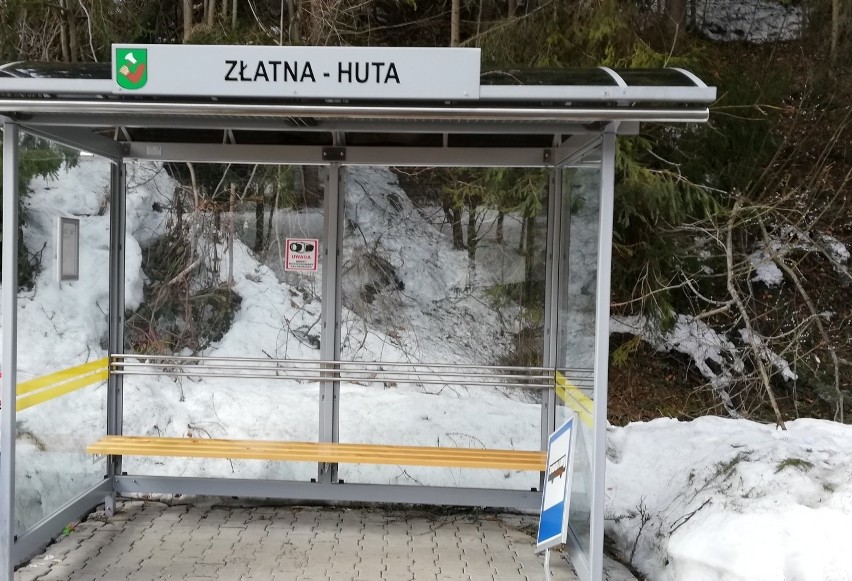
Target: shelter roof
[{"x": 515, "y": 108}]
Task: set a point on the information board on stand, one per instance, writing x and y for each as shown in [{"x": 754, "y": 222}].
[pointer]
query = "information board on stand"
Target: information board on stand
[{"x": 555, "y": 499}]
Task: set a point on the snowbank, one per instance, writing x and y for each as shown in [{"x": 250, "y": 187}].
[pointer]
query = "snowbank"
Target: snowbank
[{"x": 730, "y": 500}]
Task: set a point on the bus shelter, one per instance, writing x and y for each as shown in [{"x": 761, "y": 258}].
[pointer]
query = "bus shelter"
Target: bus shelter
[{"x": 346, "y": 112}]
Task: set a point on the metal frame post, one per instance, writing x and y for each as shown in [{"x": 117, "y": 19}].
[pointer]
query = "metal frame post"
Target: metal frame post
[
  {"x": 115, "y": 383},
  {"x": 596, "y": 536},
  {"x": 551, "y": 302},
  {"x": 10, "y": 349},
  {"x": 329, "y": 408}
]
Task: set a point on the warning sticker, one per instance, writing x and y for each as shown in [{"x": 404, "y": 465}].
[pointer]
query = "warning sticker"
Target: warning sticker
[{"x": 302, "y": 255}]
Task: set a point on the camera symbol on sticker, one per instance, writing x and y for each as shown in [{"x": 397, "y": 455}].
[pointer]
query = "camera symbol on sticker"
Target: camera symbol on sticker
[{"x": 300, "y": 247}]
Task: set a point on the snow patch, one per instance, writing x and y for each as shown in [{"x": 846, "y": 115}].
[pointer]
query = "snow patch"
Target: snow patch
[
  {"x": 768, "y": 355},
  {"x": 765, "y": 269},
  {"x": 692, "y": 337},
  {"x": 791, "y": 239},
  {"x": 836, "y": 249}
]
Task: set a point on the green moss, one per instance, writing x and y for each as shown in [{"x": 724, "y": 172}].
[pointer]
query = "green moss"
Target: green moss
[{"x": 802, "y": 465}]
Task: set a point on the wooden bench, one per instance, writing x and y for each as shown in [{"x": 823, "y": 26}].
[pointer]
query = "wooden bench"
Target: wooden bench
[{"x": 320, "y": 452}]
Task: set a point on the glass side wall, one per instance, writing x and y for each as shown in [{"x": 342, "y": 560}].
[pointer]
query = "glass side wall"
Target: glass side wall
[
  {"x": 578, "y": 271},
  {"x": 442, "y": 267},
  {"x": 62, "y": 327},
  {"x": 226, "y": 272}
]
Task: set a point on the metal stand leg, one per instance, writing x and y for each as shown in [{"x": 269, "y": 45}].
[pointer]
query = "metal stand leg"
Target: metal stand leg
[{"x": 547, "y": 576}]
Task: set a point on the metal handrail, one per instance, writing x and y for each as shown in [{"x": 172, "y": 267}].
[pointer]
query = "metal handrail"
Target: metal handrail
[
  {"x": 490, "y": 376},
  {"x": 343, "y": 379},
  {"x": 118, "y": 356},
  {"x": 325, "y": 370}
]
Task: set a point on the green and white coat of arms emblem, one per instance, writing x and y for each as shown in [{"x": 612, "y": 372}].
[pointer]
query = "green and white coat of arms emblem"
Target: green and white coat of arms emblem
[{"x": 131, "y": 67}]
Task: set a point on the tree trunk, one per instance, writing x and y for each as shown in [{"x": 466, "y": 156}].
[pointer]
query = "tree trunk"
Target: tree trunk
[
  {"x": 316, "y": 20},
  {"x": 234, "y": 15},
  {"x": 500, "y": 217},
  {"x": 453, "y": 216},
  {"x": 196, "y": 194},
  {"x": 479, "y": 21},
  {"x": 259, "y": 209},
  {"x": 294, "y": 35},
  {"x": 472, "y": 239},
  {"x": 675, "y": 16},
  {"x": 211, "y": 12},
  {"x": 298, "y": 186},
  {"x": 512, "y": 9},
  {"x": 179, "y": 211},
  {"x": 231, "y": 232},
  {"x": 281, "y": 26},
  {"x": 529, "y": 258},
  {"x": 272, "y": 213},
  {"x": 835, "y": 31},
  {"x": 455, "y": 23},
  {"x": 313, "y": 195},
  {"x": 63, "y": 32},
  {"x": 73, "y": 41},
  {"x": 187, "y": 20},
  {"x": 294, "y": 28}
]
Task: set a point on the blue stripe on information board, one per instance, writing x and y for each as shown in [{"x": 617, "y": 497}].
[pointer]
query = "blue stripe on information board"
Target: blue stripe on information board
[{"x": 551, "y": 523}]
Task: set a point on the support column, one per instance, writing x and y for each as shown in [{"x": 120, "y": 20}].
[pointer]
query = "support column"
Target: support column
[
  {"x": 596, "y": 537},
  {"x": 10, "y": 349},
  {"x": 329, "y": 417},
  {"x": 115, "y": 383}
]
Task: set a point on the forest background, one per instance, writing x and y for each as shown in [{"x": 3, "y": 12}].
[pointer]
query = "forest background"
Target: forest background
[{"x": 738, "y": 228}]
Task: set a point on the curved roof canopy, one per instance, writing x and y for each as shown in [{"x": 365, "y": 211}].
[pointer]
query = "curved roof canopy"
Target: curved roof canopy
[{"x": 511, "y": 108}]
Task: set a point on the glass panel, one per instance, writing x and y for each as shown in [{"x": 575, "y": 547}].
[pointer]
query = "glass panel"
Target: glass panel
[
  {"x": 58, "y": 70},
  {"x": 655, "y": 78},
  {"x": 576, "y": 332},
  {"x": 229, "y": 269},
  {"x": 442, "y": 267},
  {"x": 556, "y": 77},
  {"x": 61, "y": 326}
]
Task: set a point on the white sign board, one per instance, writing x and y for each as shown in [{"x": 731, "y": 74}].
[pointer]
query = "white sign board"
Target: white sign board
[
  {"x": 67, "y": 249},
  {"x": 302, "y": 255},
  {"x": 296, "y": 71},
  {"x": 553, "y": 523}
]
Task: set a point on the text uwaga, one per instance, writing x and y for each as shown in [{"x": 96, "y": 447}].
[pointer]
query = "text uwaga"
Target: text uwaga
[{"x": 294, "y": 71}]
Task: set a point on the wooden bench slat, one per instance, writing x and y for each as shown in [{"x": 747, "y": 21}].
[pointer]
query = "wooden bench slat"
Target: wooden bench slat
[
  {"x": 320, "y": 452},
  {"x": 212, "y": 444},
  {"x": 307, "y": 456}
]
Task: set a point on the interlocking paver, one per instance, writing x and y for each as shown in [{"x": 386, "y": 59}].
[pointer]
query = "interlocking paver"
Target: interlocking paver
[
  {"x": 118, "y": 572},
  {"x": 148, "y": 541}
]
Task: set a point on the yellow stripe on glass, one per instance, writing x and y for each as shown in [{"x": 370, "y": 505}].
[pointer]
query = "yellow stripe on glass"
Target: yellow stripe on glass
[
  {"x": 574, "y": 398},
  {"x": 48, "y": 387}
]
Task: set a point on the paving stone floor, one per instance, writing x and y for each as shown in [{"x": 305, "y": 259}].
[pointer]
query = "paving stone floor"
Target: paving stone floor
[{"x": 147, "y": 540}]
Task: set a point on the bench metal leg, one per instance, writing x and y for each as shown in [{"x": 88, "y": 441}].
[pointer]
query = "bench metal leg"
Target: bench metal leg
[{"x": 109, "y": 504}]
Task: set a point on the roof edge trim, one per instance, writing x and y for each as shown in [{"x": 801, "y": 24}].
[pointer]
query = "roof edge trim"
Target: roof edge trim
[{"x": 109, "y": 108}]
